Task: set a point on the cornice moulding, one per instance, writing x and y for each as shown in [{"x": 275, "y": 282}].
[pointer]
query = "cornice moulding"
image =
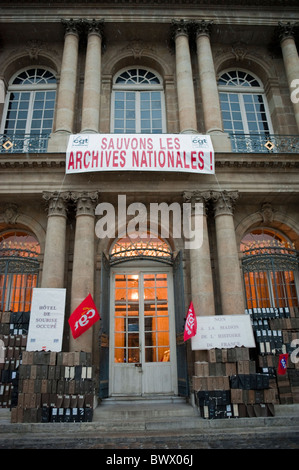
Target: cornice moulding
[{"x": 222, "y": 160}]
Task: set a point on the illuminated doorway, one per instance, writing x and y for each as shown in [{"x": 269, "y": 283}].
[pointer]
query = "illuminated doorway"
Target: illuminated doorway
[
  {"x": 141, "y": 319},
  {"x": 142, "y": 332}
]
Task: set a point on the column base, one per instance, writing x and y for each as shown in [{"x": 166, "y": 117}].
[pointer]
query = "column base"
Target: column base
[
  {"x": 189, "y": 131},
  {"x": 89, "y": 131},
  {"x": 58, "y": 141},
  {"x": 221, "y": 141}
]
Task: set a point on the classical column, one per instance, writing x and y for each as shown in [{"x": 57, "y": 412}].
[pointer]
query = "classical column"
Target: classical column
[
  {"x": 54, "y": 257},
  {"x": 83, "y": 260},
  {"x": 92, "y": 78},
  {"x": 202, "y": 290},
  {"x": 65, "y": 107},
  {"x": 291, "y": 62},
  {"x": 2, "y": 96},
  {"x": 185, "y": 88},
  {"x": 231, "y": 287},
  {"x": 208, "y": 86},
  {"x": 207, "y": 77}
]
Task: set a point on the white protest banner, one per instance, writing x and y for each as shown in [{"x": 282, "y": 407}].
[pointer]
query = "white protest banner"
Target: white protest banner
[
  {"x": 190, "y": 153},
  {"x": 46, "y": 320},
  {"x": 223, "y": 331}
]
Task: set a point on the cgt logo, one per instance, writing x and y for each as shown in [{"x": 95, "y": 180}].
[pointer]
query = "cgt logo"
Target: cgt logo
[
  {"x": 198, "y": 142},
  {"x": 85, "y": 317},
  {"x": 80, "y": 140}
]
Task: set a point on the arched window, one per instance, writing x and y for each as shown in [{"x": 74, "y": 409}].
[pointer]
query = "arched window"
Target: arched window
[
  {"x": 19, "y": 267},
  {"x": 138, "y": 102},
  {"x": 29, "y": 111},
  {"x": 270, "y": 267},
  {"x": 150, "y": 247},
  {"x": 244, "y": 110}
]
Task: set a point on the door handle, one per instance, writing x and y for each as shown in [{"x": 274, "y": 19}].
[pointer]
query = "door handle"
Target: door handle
[{"x": 138, "y": 364}]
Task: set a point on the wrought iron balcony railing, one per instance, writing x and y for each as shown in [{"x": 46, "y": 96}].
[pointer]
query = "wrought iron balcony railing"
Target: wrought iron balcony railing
[
  {"x": 241, "y": 143},
  {"x": 264, "y": 143},
  {"x": 23, "y": 143}
]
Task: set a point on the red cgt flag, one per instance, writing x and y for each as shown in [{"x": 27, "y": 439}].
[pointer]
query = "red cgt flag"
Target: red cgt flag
[
  {"x": 83, "y": 317},
  {"x": 282, "y": 364},
  {"x": 191, "y": 323}
]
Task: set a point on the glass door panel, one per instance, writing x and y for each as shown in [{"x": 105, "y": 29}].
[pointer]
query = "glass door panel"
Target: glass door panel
[
  {"x": 126, "y": 339},
  {"x": 156, "y": 317}
]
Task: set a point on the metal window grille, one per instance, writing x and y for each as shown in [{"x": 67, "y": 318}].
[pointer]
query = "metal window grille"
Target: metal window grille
[
  {"x": 271, "y": 277},
  {"x": 19, "y": 269}
]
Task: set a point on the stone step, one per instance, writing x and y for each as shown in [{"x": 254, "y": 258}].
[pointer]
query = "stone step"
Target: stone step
[
  {"x": 143, "y": 409},
  {"x": 161, "y": 418},
  {"x": 179, "y": 426}
]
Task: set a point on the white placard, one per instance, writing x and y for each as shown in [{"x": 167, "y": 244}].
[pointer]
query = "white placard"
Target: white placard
[
  {"x": 46, "y": 320},
  {"x": 191, "y": 153},
  {"x": 223, "y": 331}
]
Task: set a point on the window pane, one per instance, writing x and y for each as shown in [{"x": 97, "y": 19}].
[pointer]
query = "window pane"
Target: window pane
[{"x": 125, "y": 114}]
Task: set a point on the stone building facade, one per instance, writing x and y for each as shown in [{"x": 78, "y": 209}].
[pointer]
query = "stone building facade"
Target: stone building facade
[{"x": 223, "y": 69}]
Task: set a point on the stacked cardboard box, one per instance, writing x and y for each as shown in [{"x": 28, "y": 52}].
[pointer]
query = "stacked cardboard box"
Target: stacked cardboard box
[
  {"x": 275, "y": 330},
  {"x": 55, "y": 387},
  {"x": 12, "y": 344},
  {"x": 227, "y": 385}
]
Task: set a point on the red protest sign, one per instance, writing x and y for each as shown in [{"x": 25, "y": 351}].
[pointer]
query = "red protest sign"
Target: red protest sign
[
  {"x": 83, "y": 317},
  {"x": 282, "y": 364}
]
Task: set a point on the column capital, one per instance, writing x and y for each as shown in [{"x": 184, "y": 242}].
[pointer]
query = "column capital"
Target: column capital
[
  {"x": 72, "y": 26},
  {"x": 180, "y": 27},
  {"x": 203, "y": 28},
  {"x": 85, "y": 201},
  {"x": 201, "y": 197},
  {"x": 286, "y": 30},
  {"x": 224, "y": 202},
  {"x": 57, "y": 202},
  {"x": 196, "y": 196},
  {"x": 93, "y": 26}
]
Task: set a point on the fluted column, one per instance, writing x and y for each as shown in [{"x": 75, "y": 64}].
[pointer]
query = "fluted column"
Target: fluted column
[
  {"x": 65, "y": 107},
  {"x": 185, "y": 88},
  {"x": 54, "y": 257},
  {"x": 202, "y": 290},
  {"x": 231, "y": 287},
  {"x": 291, "y": 62},
  {"x": 83, "y": 261},
  {"x": 92, "y": 78}
]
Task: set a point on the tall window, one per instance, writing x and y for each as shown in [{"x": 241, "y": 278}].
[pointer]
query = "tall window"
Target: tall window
[
  {"x": 29, "y": 108},
  {"x": 19, "y": 269},
  {"x": 270, "y": 266},
  {"x": 244, "y": 107},
  {"x": 138, "y": 102}
]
